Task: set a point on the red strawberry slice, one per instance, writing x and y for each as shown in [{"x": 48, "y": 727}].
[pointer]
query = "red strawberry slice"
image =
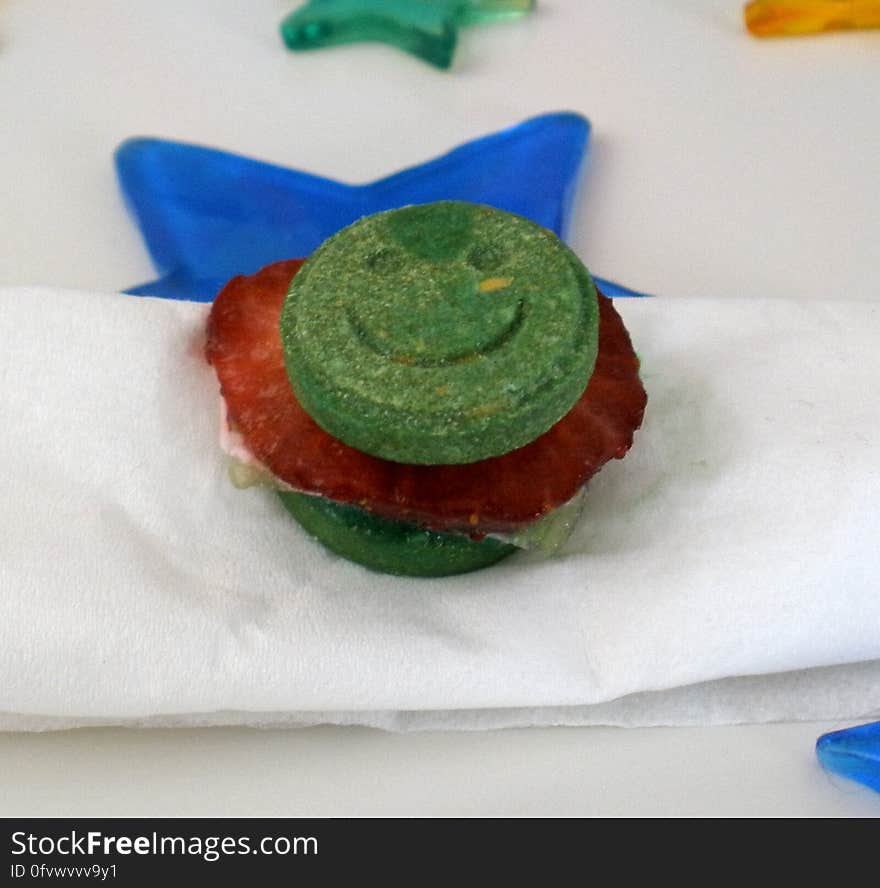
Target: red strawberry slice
[{"x": 498, "y": 494}]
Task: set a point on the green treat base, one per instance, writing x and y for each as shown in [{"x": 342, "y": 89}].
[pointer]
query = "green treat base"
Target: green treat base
[
  {"x": 392, "y": 547},
  {"x": 442, "y": 333}
]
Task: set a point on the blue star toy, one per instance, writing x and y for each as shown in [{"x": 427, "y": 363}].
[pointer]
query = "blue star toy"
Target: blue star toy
[
  {"x": 207, "y": 215},
  {"x": 853, "y": 753}
]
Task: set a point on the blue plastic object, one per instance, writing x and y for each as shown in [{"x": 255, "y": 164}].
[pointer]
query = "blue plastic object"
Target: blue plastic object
[
  {"x": 208, "y": 215},
  {"x": 853, "y": 753}
]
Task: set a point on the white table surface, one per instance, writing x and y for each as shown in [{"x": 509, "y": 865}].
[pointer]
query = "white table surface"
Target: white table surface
[{"x": 719, "y": 164}]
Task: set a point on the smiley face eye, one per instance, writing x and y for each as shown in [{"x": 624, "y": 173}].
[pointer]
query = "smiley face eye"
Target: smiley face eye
[
  {"x": 485, "y": 258},
  {"x": 384, "y": 261}
]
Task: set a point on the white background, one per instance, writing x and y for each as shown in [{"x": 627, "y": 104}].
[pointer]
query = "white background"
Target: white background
[{"x": 719, "y": 165}]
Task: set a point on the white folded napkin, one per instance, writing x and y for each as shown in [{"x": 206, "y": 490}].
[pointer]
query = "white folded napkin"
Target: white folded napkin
[{"x": 726, "y": 570}]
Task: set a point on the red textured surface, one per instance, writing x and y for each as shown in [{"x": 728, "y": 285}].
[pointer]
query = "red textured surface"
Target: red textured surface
[{"x": 244, "y": 346}]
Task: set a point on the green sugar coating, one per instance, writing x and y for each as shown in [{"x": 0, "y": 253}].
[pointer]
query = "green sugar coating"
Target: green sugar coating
[
  {"x": 390, "y": 546},
  {"x": 440, "y": 333}
]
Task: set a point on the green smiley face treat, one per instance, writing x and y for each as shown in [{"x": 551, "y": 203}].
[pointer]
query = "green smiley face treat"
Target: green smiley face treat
[
  {"x": 430, "y": 388},
  {"x": 391, "y": 546},
  {"x": 443, "y": 333}
]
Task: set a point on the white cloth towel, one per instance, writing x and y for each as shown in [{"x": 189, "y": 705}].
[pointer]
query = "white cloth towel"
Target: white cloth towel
[{"x": 726, "y": 570}]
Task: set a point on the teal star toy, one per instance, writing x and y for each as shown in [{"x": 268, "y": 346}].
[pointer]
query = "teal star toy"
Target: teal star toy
[{"x": 425, "y": 28}]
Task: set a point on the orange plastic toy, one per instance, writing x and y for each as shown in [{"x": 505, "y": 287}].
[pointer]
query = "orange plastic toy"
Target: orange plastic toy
[{"x": 781, "y": 18}]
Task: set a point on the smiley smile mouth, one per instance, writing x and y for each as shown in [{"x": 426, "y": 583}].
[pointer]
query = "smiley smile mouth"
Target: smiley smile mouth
[{"x": 377, "y": 344}]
